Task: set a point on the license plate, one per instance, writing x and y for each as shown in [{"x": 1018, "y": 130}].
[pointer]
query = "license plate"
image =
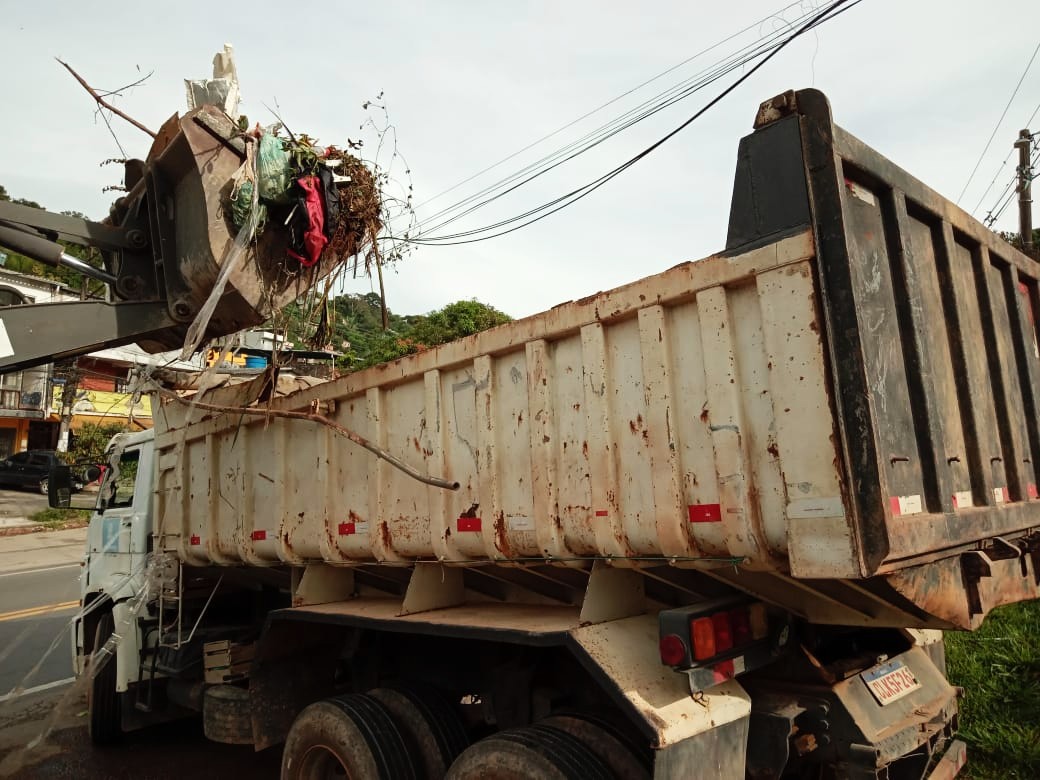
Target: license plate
[{"x": 890, "y": 682}]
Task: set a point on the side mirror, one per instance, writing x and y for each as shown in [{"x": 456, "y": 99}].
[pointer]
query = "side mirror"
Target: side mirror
[
  {"x": 59, "y": 487},
  {"x": 62, "y": 488}
]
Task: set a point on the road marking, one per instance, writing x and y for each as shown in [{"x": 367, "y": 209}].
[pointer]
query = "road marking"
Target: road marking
[
  {"x": 28, "y": 612},
  {"x": 38, "y": 689},
  {"x": 35, "y": 571}
]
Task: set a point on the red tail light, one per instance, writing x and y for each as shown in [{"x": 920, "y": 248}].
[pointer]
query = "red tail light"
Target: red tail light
[
  {"x": 723, "y": 632},
  {"x": 673, "y": 650},
  {"x": 702, "y": 632},
  {"x": 740, "y": 621}
]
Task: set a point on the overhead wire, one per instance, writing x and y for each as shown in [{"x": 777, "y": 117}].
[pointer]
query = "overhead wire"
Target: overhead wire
[
  {"x": 538, "y": 213},
  {"x": 1028, "y": 123},
  {"x": 776, "y": 15},
  {"x": 999, "y": 121}
]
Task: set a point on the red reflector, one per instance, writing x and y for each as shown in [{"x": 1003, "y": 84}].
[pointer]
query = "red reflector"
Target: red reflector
[
  {"x": 194, "y": 539},
  {"x": 602, "y": 513},
  {"x": 723, "y": 632},
  {"x": 673, "y": 651},
  {"x": 259, "y": 536},
  {"x": 702, "y": 632},
  {"x": 740, "y": 622},
  {"x": 346, "y": 529},
  {"x": 469, "y": 524},
  {"x": 723, "y": 671},
  {"x": 705, "y": 513}
]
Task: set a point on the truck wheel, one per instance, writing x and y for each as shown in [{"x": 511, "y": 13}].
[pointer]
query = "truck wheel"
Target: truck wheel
[
  {"x": 226, "y": 716},
  {"x": 533, "y": 751},
  {"x": 353, "y": 736},
  {"x": 626, "y": 759},
  {"x": 430, "y": 724},
  {"x": 104, "y": 707},
  {"x": 44, "y": 484}
]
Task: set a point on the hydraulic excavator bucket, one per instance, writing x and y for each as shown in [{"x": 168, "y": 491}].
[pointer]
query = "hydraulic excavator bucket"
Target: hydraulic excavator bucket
[{"x": 192, "y": 165}]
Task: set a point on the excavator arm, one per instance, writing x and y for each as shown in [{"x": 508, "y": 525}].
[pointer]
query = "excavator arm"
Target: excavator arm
[{"x": 163, "y": 246}]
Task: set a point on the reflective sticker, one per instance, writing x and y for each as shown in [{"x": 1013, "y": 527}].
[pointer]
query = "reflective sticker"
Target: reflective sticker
[
  {"x": 861, "y": 192},
  {"x": 6, "y": 350},
  {"x": 601, "y": 513},
  {"x": 1031, "y": 491},
  {"x": 962, "y": 499},
  {"x": 1000, "y": 495},
  {"x": 705, "y": 513},
  {"x": 259, "y": 536},
  {"x": 469, "y": 524},
  {"x": 905, "y": 505},
  {"x": 829, "y": 506},
  {"x": 194, "y": 540},
  {"x": 520, "y": 523},
  {"x": 348, "y": 529}
]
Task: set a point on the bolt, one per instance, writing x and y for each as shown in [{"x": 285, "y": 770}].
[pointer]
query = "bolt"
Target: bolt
[{"x": 136, "y": 238}]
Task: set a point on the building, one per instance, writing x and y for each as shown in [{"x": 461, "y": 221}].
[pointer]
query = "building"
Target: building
[
  {"x": 25, "y": 418},
  {"x": 31, "y": 400}
]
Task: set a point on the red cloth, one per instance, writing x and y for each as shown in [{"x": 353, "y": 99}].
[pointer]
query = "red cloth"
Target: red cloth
[{"x": 314, "y": 240}]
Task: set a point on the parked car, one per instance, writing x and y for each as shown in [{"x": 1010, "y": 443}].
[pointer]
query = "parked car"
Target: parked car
[{"x": 30, "y": 469}]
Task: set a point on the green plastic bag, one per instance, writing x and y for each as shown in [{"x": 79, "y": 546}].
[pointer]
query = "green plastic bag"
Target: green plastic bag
[
  {"x": 242, "y": 203},
  {"x": 273, "y": 173}
]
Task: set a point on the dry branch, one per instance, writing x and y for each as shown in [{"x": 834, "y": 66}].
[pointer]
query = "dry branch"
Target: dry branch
[
  {"x": 101, "y": 101},
  {"x": 357, "y": 438}
]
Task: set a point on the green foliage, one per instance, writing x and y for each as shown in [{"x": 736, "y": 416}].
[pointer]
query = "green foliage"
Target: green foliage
[
  {"x": 89, "y": 442},
  {"x": 61, "y": 518},
  {"x": 26, "y": 265},
  {"x": 357, "y": 321},
  {"x": 999, "y": 667}
]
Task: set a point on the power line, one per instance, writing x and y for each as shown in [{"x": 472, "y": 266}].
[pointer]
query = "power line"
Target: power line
[
  {"x": 592, "y": 139},
  {"x": 610, "y": 102},
  {"x": 1029, "y": 123},
  {"x": 831, "y": 11},
  {"x": 997, "y": 126}
]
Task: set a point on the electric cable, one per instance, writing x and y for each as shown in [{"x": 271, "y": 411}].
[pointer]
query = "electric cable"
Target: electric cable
[
  {"x": 999, "y": 121},
  {"x": 831, "y": 11},
  {"x": 626, "y": 120}
]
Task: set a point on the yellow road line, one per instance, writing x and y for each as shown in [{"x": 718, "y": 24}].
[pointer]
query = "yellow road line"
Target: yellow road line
[{"x": 18, "y": 614}]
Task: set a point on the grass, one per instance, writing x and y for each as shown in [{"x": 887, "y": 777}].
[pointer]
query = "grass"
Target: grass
[
  {"x": 999, "y": 667},
  {"x": 61, "y": 518}
]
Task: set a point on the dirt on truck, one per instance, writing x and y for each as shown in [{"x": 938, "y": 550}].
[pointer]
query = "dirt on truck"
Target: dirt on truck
[{"x": 710, "y": 522}]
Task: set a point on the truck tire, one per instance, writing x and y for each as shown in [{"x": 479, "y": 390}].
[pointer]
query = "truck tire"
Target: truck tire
[
  {"x": 352, "y": 735},
  {"x": 104, "y": 704},
  {"x": 625, "y": 758},
  {"x": 533, "y": 751},
  {"x": 433, "y": 728},
  {"x": 44, "y": 485},
  {"x": 226, "y": 716}
]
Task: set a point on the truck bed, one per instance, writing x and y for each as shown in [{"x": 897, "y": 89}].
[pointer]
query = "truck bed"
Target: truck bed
[{"x": 836, "y": 414}]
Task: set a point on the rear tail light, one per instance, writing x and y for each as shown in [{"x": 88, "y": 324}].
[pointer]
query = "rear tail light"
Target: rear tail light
[
  {"x": 702, "y": 634},
  {"x": 723, "y": 632},
  {"x": 759, "y": 621},
  {"x": 673, "y": 650},
  {"x": 740, "y": 622}
]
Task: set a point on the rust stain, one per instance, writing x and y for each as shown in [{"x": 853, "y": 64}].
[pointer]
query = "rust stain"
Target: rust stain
[
  {"x": 585, "y": 448},
  {"x": 632, "y": 426},
  {"x": 814, "y": 327},
  {"x": 773, "y": 450},
  {"x": 577, "y": 407},
  {"x": 704, "y": 415},
  {"x": 385, "y": 535},
  {"x": 546, "y": 440},
  {"x": 415, "y": 442}
]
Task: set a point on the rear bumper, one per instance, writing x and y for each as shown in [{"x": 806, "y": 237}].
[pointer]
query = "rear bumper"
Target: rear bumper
[{"x": 952, "y": 762}]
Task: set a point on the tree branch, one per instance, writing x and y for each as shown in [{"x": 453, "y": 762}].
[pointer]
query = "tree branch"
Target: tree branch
[
  {"x": 101, "y": 101},
  {"x": 357, "y": 438}
]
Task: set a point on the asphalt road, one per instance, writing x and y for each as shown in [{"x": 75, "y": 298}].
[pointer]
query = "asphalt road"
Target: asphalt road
[
  {"x": 43, "y": 732},
  {"x": 35, "y": 608}
]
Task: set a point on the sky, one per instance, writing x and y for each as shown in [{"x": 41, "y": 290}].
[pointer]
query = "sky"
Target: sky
[{"x": 468, "y": 84}]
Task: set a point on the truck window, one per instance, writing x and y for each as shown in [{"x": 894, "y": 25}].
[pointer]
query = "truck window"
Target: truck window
[{"x": 121, "y": 489}]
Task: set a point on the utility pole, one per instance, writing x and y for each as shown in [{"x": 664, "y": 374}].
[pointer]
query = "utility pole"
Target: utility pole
[{"x": 1025, "y": 200}]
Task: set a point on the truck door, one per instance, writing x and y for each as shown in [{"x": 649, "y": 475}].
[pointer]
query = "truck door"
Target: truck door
[{"x": 117, "y": 541}]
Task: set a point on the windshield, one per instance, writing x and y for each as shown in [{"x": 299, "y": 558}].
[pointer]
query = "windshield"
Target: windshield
[{"x": 119, "y": 483}]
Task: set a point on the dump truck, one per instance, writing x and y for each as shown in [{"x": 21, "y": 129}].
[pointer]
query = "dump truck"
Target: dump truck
[{"x": 710, "y": 523}]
